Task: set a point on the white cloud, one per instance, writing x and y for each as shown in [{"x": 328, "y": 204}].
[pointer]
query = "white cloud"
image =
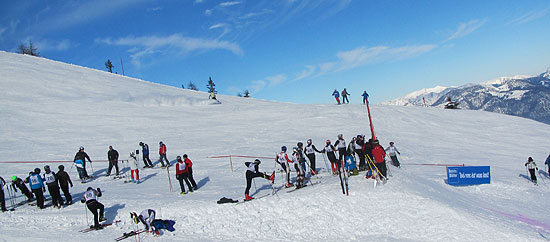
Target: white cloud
[
  {"x": 307, "y": 72},
  {"x": 276, "y": 80},
  {"x": 155, "y": 9},
  {"x": 466, "y": 29},
  {"x": 256, "y": 86},
  {"x": 362, "y": 56},
  {"x": 2, "y": 30},
  {"x": 199, "y": 1},
  {"x": 232, "y": 3},
  {"x": 208, "y": 12},
  {"x": 535, "y": 14},
  {"x": 170, "y": 45},
  {"x": 216, "y": 26},
  {"x": 55, "y": 45}
]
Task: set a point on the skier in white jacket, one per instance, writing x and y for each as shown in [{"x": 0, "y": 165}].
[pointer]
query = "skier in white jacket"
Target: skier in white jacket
[{"x": 392, "y": 151}]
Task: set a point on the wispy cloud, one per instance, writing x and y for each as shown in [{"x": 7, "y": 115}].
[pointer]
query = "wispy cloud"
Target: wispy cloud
[
  {"x": 217, "y": 26},
  {"x": 148, "y": 45},
  {"x": 208, "y": 12},
  {"x": 56, "y": 45},
  {"x": 466, "y": 29},
  {"x": 155, "y": 9},
  {"x": 232, "y": 3},
  {"x": 271, "y": 81},
  {"x": 533, "y": 15}
]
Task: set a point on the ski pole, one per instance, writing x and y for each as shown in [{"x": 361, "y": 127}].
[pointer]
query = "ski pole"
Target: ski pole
[
  {"x": 388, "y": 168},
  {"x": 71, "y": 168},
  {"x": 92, "y": 166},
  {"x": 325, "y": 159}
]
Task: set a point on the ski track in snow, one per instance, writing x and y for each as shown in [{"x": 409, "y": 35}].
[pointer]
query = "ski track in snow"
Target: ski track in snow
[{"x": 51, "y": 109}]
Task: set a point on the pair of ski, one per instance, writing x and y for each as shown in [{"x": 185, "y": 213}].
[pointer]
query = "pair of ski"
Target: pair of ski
[
  {"x": 86, "y": 230},
  {"x": 344, "y": 181},
  {"x": 296, "y": 189},
  {"x": 130, "y": 234}
]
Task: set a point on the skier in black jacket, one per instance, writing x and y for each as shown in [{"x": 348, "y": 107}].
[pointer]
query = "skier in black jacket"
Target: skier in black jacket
[
  {"x": 81, "y": 155},
  {"x": 16, "y": 182},
  {"x": 310, "y": 150},
  {"x": 53, "y": 187},
  {"x": 112, "y": 155},
  {"x": 253, "y": 172},
  {"x": 329, "y": 150},
  {"x": 64, "y": 181}
]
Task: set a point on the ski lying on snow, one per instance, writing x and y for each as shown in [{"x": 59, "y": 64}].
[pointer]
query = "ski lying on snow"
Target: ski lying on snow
[
  {"x": 296, "y": 189},
  {"x": 130, "y": 234},
  {"x": 256, "y": 198},
  {"x": 102, "y": 226}
]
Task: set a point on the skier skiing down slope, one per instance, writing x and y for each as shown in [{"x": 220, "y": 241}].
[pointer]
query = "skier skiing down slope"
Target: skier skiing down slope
[
  {"x": 90, "y": 198},
  {"x": 253, "y": 172},
  {"x": 531, "y": 166},
  {"x": 189, "y": 166},
  {"x": 145, "y": 153},
  {"x": 392, "y": 151},
  {"x": 345, "y": 96},
  {"x": 299, "y": 170},
  {"x": 283, "y": 160},
  {"x": 53, "y": 187},
  {"x": 133, "y": 162},
  {"x": 379, "y": 155},
  {"x": 64, "y": 181},
  {"x": 112, "y": 156},
  {"x": 82, "y": 156},
  {"x": 16, "y": 182},
  {"x": 182, "y": 174},
  {"x": 162, "y": 154},
  {"x": 329, "y": 150},
  {"x": 152, "y": 225},
  {"x": 358, "y": 148},
  {"x": 336, "y": 95},
  {"x": 310, "y": 153},
  {"x": 340, "y": 144},
  {"x": 37, "y": 187}
]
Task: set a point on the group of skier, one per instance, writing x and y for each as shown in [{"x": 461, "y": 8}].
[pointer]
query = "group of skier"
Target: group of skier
[{"x": 345, "y": 95}]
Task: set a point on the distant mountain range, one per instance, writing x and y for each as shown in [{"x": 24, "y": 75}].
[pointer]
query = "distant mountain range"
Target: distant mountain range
[{"x": 524, "y": 96}]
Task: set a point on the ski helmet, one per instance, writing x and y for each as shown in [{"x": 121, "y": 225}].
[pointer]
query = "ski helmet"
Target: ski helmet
[
  {"x": 530, "y": 158},
  {"x": 47, "y": 168},
  {"x": 328, "y": 141},
  {"x": 160, "y": 143},
  {"x": 283, "y": 148},
  {"x": 14, "y": 178},
  {"x": 178, "y": 157},
  {"x": 256, "y": 161},
  {"x": 36, "y": 170},
  {"x": 89, "y": 188},
  {"x": 308, "y": 141},
  {"x": 81, "y": 148},
  {"x": 391, "y": 142},
  {"x": 140, "y": 143},
  {"x": 184, "y": 155},
  {"x": 61, "y": 167},
  {"x": 340, "y": 136},
  {"x": 300, "y": 144}
]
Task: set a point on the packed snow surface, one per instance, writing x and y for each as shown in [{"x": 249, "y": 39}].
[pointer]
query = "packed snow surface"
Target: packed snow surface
[{"x": 49, "y": 109}]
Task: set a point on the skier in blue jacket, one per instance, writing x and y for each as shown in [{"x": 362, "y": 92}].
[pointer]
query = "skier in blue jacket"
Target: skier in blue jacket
[
  {"x": 336, "y": 95},
  {"x": 365, "y": 97},
  {"x": 37, "y": 187},
  {"x": 145, "y": 153}
]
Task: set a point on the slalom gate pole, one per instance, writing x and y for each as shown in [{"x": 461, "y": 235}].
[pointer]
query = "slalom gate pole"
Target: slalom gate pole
[
  {"x": 370, "y": 121},
  {"x": 325, "y": 159},
  {"x": 273, "y": 183}
]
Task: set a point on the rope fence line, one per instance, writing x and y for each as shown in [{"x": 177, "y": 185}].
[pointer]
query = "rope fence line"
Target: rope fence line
[{"x": 39, "y": 162}]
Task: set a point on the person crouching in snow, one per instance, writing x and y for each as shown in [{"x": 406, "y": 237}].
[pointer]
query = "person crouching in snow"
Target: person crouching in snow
[
  {"x": 182, "y": 174},
  {"x": 253, "y": 172},
  {"x": 283, "y": 160},
  {"x": 152, "y": 225},
  {"x": 299, "y": 169},
  {"x": 90, "y": 198},
  {"x": 132, "y": 160},
  {"x": 531, "y": 165}
]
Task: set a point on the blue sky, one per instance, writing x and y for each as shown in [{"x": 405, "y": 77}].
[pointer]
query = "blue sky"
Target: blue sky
[{"x": 290, "y": 50}]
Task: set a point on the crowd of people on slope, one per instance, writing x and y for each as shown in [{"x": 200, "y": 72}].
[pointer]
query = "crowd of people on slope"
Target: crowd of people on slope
[
  {"x": 345, "y": 95},
  {"x": 341, "y": 156}
]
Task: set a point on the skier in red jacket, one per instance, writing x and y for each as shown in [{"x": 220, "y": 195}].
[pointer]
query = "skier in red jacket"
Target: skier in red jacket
[
  {"x": 189, "y": 166},
  {"x": 182, "y": 174},
  {"x": 379, "y": 154},
  {"x": 162, "y": 153}
]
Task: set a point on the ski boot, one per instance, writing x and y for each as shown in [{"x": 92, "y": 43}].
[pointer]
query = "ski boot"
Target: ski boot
[
  {"x": 247, "y": 198},
  {"x": 272, "y": 177}
]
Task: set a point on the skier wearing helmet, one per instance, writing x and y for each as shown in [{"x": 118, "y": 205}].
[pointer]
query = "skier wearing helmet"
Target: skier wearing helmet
[
  {"x": 80, "y": 161},
  {"x": 37, "y": 187},
  {"x": 310, "y": 150},
  {"x": 340, "y": 144},
  {"x": 90, "y": 198},
  {"x": 162, "y": 154},
  {"x": 298, "y": 167},
  {"x": 329, "y": 150},
  {"x": 392, "y": 150},
  {"x": 283, "y": 160},
  {"x": 182, "y": 174},
  {"x": 253, "y": 172}
]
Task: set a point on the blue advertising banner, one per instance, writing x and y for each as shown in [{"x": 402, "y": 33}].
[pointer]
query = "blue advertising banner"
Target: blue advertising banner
[{"x": 468, "y": 175}]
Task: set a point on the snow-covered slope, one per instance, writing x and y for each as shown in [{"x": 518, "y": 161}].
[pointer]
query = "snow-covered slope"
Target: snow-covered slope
[
  {"x": 524, "y": 96},
  {"x": 49, "y": 109}
]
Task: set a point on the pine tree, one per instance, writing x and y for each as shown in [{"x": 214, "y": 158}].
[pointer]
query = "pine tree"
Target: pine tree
[
  {"x": 246, "y": 93},
  {"x": 28, "y": 50},
  {"x": 191, "y": 86},
  {"x": 211, "y": 86},
  {"x": 109, "y": 65},
  {"x": 239, "y": 95}
]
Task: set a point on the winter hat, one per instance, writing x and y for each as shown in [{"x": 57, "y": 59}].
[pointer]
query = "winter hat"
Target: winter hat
[
  {"x": 184, "y": 155},
  {"x": 283, "y": 148},
  {"x": 61, "y": 167},
  {"x": 328, "y": 141},
  {"x": 309, "y": 141},
  {"x": 140, "y": 143},
  {"x": 14, "y": 178},
  {"x": 46, "y": 167},
  {"x": 391, "y": 142},
  {"x": 340, "y": 136},
  {"x": 36, "y": 170},
  {"x": 300, "y": 144},
  {"x": 81, "y": 148},
  {"x": 530, "y": 159},
  {"x": 256, "y": 161},
  {"x": 376, "y": 142},
  {"x": 89, "y": 188},
  {"x": 178, "y": 157}
]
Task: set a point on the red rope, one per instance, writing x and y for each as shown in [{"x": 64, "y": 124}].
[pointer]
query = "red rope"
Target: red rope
[{"x": 53, "y": 161}]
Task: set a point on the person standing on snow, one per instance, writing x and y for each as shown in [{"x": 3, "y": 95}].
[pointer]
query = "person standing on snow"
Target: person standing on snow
[
  {"x": 145, "y": 153},
  {"x": 132, "y": 161},
  {"x": 37, "y": 187},
  {"x": 295, "y": 157},
  {"x": 336, "y": 95},
  {"x": 365, "y": 96},
  {"x": 531, "y": 166},
  {"x": 392, "y": 150},
  {"x": 162, "y": 153},
  {"x": 301, "y": 159},
  {"x": 340, "y": 144},
  {"x": 345, "y": 96},
  {"x": 548, "y": 164},
  {"x": 329, "y": 150},
  {"x": 182, "y": 174},
  {"x": 379, "y": 155},
  {"x": 16, "y": 182},
  {"x": 358, "y": 148},
  {"x": 112, "y": 156},
  {"x": 2, "y": 195},
  {"x": 284, "y": 161},
  {"x": 253, "y": 172},
  {"x": 189, "y": 166},
  {"x": 90, "y": 198},
  {"x": 64, "y": 181},
  {"x": 53, "y": 187},
  {"x": 82, "y": 156},
  {"x": 310, "y": 153}
]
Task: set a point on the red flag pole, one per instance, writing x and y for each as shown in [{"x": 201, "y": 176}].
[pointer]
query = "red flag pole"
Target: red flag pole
[{"x": 370, "y": 121}]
